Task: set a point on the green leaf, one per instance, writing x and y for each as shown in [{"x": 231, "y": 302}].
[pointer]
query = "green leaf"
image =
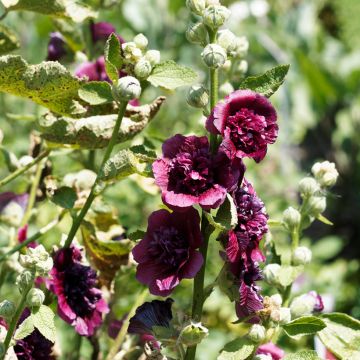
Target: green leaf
[
  {"x": 303, "y": 355},
  {"x": 327, "y": 247},
  {"x": 341, "y": 335},
  {"x": 227, "y": 214},
  {"x": 48, "y": 84},
  {"x": 136, "y": 235},
  {"x": 305, "y": 325},
  {"x": 8, "y": 40},
  {"x": 96, "y": 92},
  {"x": 267, "y": 83},
  {"x": 43, "y": 320},
  {"x": 238, "y": 349},
  {"x": 64, "y": 197},
  {"x": 170, "y": 75},
  {"x": 73, "y": 9},
  {"x": 113, "y": 59},
  {"x": 143, "y": 153},
  {"x": 324, "y": 220},
  {"x": 25, "y": 328},
  {"x": 288, "y": 274}
]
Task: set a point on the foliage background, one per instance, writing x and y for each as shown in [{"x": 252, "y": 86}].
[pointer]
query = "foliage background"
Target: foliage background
[{"x": 319, "y": 114}]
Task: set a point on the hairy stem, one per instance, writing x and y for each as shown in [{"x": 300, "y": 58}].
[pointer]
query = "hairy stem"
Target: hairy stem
[
  {"x": 20, "y": 171},
  {"x": 77, "y": 221}
]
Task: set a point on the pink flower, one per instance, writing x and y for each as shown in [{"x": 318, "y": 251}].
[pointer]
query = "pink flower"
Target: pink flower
[
  {"x": 271, "y": 349},
  {"x": 247, "y": 122},
  {"x": 168, "y": 252}
]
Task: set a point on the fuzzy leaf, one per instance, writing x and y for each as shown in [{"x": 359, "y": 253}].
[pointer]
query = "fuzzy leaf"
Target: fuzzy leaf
[
  {"x": 96, "y": 92},
  {"x": 48, "y": 84},
  {"x": 303, "y": 355},
  {"x": 64, "y": 197},
  {"x": 267, "y": 83},
  {"x": 43, "y": 320},
  {"x": 341, "y": 335},
  {"x": 170, "y": 75},
  {"x": 305, "y": 325},
  {"x": 8, "y": 40},
  {"x": 113, "y": 59},
  {"x": 238, "y": 349},
  {"x": 25, "y": 328}
]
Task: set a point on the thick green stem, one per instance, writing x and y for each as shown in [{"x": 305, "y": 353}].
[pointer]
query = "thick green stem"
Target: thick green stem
[
  {"x": 20, "y": 171},
  {"x": 77, "y": 221}
]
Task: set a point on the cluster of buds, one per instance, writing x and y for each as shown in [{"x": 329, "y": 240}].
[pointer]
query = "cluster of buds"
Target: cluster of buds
[
  {"x": 273, "y": 310},
  {"x": 193, "y": 333},
  {"x": 37, "y": 260},
  {"x": 139, "y": 57}
]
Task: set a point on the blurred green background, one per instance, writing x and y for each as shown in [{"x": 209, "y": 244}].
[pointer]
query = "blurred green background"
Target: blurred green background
[{"x": 319, "y": 118}]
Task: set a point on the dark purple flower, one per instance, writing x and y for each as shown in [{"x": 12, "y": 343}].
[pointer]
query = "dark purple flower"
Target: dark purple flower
[
  {"x": 148, "y": 315},
  {"x": 101, "y": 31},
  {"x": 34, "y": 346},
  {"x": 189, "y": 174},
  {"x": 56, "y": 47},
  {"x": 168, "y": 252},
  {"x": 247, "y": 122},
  {"x": 271, "y": 349},
  {"x": 80, "y": 303}
]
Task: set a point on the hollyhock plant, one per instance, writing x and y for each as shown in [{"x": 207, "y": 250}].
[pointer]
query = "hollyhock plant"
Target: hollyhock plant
[
  {"x": 56, "y": 47},
  {"x": 247, "y": 122},
  {"x": 189, "y": 174},
  {"x": 80, "y": 303},
  {"x": 168, "y": 252}
]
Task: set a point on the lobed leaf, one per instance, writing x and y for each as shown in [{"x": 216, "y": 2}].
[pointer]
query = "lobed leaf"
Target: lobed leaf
[
  {"x": 8, "y": 40},
  {"x": 238, "y": 349},
  {"x": 170, "y": 75},
  {"x": 43, "y": 320},
  {"x": 303, "y": 355},
  {"x": 25, "y": 328},
  {"x": 305, "y": 325},
  {"x": 96, "y": 92},
  {"x": 267, "y": 83}
]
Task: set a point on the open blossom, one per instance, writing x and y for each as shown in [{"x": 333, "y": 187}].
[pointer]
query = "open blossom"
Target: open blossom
[
  {"x": 94, "y": 71},
  {"x": 80, "y": 303},
  {"x": 189, "y": 174},
  {"x": 168, "y": 252},
  {"x": 247, "y": 122}
]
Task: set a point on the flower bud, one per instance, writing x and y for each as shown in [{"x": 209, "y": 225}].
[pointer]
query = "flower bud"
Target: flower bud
[
  {"x": 242, "y": 68},
  {"x": 193, "y": 334},
  {"x": 316, "y": 205},
  {"x": 131, "y": 52},
  {"x": 25, "y": 280},
  {"x": 302, "y": 305},
  {"x": 127, "y": 88},
  {"x": 281, "y": 315},
  {"x": 197, "y": 34},
  {"x": 153, "y": 56},
  {"x": 226, "y": 89},
  {"x": 308, "y": 186},
  {"x": 35, "y": 298},
  {"x": 241, "y": 47},
  {"x": 197, "y": 96},
  {"x": 141, "y": 41},
  {"x": 262, "y": 357},
  {"x": 291, "y": 219},
  {"x": 142, "y": 68},
  {"x": 226, "y": 39},
  {"x": 276, "y": 300},
  {"x": 325, "y": 173},
  {"x": 215, "y": 16},
  {"x": 196, "y": 6},
  {"x": 214, "y": 56},
  {"x": 301, "y": 256},
  {"x": 271, "y": 273},
  {"x": 227, "y": 65},
  {"x": 257, "y": 333},
  {"x": 37, "y": 260},
  {"x": 7, "y": 309}
]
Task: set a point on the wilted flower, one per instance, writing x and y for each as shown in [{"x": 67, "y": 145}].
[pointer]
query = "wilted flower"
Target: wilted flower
[
  {"x": 56, "y": 47},
  {"x": 247, "y": 122},
  {"x": 168, "y": 252},
  {"x": 80, "y": 303},
  {"x": 189, "y": 174},
  {"x": 271, "y": 349}
]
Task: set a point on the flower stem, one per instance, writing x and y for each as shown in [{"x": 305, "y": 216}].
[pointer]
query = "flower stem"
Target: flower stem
[
  {"x": 77, "y": 221},
  {"x": 20, "y": 171}
]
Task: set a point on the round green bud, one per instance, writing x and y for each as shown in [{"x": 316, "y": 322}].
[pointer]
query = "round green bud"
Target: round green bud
[
  {"x": 193, "y": 334},
  {"x": 142, "y": 68},
  {"x": 153, "y": 56},
  {"x": 325, "y": 173},
  {"x": 308, "y": 186},
  {"x": 226, "y": 89},
  {"x": 226, "y": 39},
  {"x": 35, "y": 298},
  {"x": 301, "y": 256},
  {"x": 316, "y": 205},
  {"x": 141, "y": 41},
  {"x": 197, "y": 96},
  {"x": 291, "y": 218},
  {"x": 302, "y": 305},
  {"x": 271, "y": 273},
  {"x": 214, "y": 56},
  {"x": 7, "y": 309},
  {"x": 196, "y": 6},
  {"x": 215, "y": 16},
  {"x": 127, "y": 88},
  {"x": 257, "y": 333},
  {"x": 25, "y": 280},
  {"x": 197, "y": 34},
  {"x": 241, "y": 47}
]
